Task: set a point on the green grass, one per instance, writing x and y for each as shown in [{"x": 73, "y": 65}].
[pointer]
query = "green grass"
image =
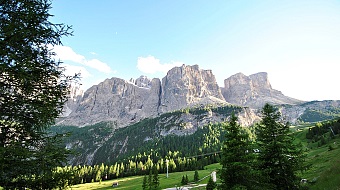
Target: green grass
[
  {"x": 324, "y": 164},
  {"x": 323, "y": 173},
  {"x": 136, "y": 182}
]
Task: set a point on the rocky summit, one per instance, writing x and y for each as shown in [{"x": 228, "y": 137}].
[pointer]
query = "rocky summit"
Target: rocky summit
[
  {"x": 124, "y": 102},
  {"x": 253, "y": 91}
]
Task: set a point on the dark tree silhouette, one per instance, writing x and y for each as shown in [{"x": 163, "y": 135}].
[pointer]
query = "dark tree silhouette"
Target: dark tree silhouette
[{"x": 33, "y": 91}]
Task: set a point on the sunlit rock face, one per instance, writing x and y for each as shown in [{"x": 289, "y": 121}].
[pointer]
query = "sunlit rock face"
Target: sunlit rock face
[
  {"x": 253, "y": 91},
  {"x": 188, "y": 85},
  {"x": 126, "y": 102}
]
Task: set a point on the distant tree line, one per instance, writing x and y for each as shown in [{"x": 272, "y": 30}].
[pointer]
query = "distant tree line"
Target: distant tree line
[
  {"x": 323, "y": 131},
  {"x": 102, "y": 172}
]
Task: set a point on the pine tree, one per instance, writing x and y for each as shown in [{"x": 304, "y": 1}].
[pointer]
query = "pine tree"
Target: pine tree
[
  {"x": 236, "y": 158},
  {"x": 33, "y": 90},
  {"x": 155, "y": 178},
  {"x": 211, "y": 184},
  {"x": 196, "y": 176},
  {"x": 186, "y": 179},
  {"x": 183, "y": 180},
  {"x": 145, "y": 183},
  {"x": 279, "y": 159},
  {"x": 150, "y": 179}
]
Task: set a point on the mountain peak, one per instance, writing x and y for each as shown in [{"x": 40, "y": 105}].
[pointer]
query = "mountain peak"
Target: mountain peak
[{"x": 253, "y": 91}]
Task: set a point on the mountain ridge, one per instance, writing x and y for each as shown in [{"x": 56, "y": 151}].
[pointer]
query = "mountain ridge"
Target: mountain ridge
[{"x": 126, "y": 102}]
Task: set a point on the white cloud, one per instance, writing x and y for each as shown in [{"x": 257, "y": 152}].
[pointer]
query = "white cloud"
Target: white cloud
[
  {"x": 70, "y": 70},
  {"x": 151, "y": 65},
  {"x": 100, "y": 66},
  {"x": 65, "y": 53}
]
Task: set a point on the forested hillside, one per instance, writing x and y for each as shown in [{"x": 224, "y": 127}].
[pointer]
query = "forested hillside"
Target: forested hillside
[{"x": 183, "y": 133}]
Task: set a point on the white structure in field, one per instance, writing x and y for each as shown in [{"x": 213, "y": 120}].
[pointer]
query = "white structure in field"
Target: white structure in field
[{"x": 213, "y": 176}]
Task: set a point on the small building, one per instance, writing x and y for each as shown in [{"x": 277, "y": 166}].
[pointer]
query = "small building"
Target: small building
[{"x": 115, "y": 184}]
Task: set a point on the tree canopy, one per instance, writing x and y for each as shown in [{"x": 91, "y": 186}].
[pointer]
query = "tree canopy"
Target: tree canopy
[
  {"x": 33, "y": 90},
  {"x": 236, "y": 157},
  {"x": 279, "y": 158}
]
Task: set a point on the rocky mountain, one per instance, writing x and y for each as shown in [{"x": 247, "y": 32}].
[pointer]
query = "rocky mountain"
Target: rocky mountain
[
  {"x": 116, "y": 100},
  {"x": 120, "y": 119},
  {"x": 188, "y": 85},
  {"x": 313, "y": 111},
  {"x": 125, "y": 102},
  {"x": 253, "y": 91},
  {"x": 76, "y": 93}
]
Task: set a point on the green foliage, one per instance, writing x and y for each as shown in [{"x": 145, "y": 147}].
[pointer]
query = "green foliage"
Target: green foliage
[
  {"x": 33, "y": 91},
  {"x": 196, "y": 176},
  {"x": 144, "y": 139},
  {"x": 312, "y": 115},
  {"x": 155, "y": 178},
  {"x": 318, "y": 132},
  {"x": 152, "y": 181},
  {"x": 237, "y": 157},
  {"x": 145, "y": 183},
  {"x": 211, "y": 184},
  {"x": 279, "y": 159},
  {"x": 183, "y": 182}
]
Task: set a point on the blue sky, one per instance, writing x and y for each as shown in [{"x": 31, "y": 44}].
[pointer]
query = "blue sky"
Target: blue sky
[{"x": 296, "y": 42}]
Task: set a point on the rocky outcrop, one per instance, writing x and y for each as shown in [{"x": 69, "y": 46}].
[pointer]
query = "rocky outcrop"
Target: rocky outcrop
[
  {"x": 253, "y": 91},
  {"x": 75, "y": 95},
  {"x": 188, "y": 85},
  {"x": 328, "y": 108},
  {"x": 114, "y": 100}
]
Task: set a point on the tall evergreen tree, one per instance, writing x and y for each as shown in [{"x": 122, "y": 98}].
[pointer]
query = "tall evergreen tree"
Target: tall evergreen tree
[
  {"x": 155, "y": 178},
  {"x": 183, "y": 182},
  {"x": 211, "y": 185},
  {"x": 150, "y": 179},
  {"x": 196, "y": 176},
  {"x": 33, "y": 90},
  {"x": 236, "y": 157},
  {"x": 145, "y": 183},
  {"x": 279, "y": 159}
]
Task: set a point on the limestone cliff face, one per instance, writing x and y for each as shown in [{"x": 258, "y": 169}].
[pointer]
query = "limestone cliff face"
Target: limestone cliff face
[
  {"x": 115, "y": 100},
  {"x": 126, "y": 102},
  {"x": 187, "y": 85},
  {"x": 75, "y": 95},
  {"x": 253, "y": 91}
]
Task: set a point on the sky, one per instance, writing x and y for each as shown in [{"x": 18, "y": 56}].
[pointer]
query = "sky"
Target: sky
[{"x": 296, "y": 42}]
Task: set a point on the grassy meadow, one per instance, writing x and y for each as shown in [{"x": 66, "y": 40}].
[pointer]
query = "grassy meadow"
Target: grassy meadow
[{"x": 136, "y": 182}]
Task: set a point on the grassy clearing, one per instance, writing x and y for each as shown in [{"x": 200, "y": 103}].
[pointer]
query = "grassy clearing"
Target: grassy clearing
[{"x": 136, "y": 182}]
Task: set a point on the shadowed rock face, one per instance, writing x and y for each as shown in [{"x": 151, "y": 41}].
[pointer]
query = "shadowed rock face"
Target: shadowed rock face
[
  {"x": 126, "y": 102},
  {"x": 115, "y": 100},
  {"x": 253, "y": 91}
]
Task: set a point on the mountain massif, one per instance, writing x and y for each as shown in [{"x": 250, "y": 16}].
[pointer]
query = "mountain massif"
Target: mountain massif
[
  {"x": 126, "y": 102},
  {"x": 119, "y": 119}
]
